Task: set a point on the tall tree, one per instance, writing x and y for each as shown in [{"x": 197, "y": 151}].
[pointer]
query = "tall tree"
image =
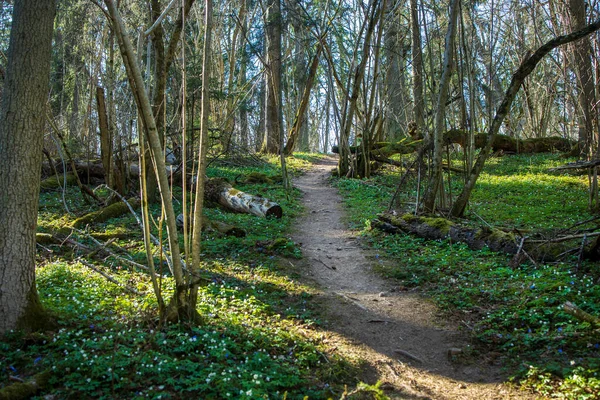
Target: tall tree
[
  {"x": 273, "y": 116},
  {"x": 527, "y": 66},
  {"x": 417, "y": 67},
  {"x": 179, "y": 307},
  {"x": 440, "y": 114},
  {"x": 582, "y": 51},
  {"x": 21, "y": 139},
  {"x": 163, "y": 59}
]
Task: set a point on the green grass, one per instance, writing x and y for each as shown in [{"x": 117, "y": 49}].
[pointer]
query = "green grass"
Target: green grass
[
  {"x": 258, "y": 338},
  {"x": 517, "y": 191},
  {"x": 512, "y": 310}
]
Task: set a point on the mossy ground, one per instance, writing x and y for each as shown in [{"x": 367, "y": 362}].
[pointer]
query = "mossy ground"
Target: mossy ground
[
  {"x": 260, "y": 338},
  {"x": 512, "y": 311}
]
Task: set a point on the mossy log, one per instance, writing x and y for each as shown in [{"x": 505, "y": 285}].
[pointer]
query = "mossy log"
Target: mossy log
[
  {"x": 104, "y": 214},
  {"x": 46, "y": 238},
  {"x": 437, "y": 228},
  {"x": 25, "y": 390},
  {"x": 512, "y": 145},
  {"x": 577, "y": 312},
  {"x": 93, "y": 169},
  {"x": 223, "y": 228},
  {"x": 56, "y": 182},
  {"x": 457, "y": 136},
  {"x": 221, "y": 192}
]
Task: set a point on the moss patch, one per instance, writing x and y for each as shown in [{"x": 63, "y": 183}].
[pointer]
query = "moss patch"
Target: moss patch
[
  {"x": 442, "y": 224},
  {"x": 106, "y": 213},
  {"x": 57, "y": 182}
]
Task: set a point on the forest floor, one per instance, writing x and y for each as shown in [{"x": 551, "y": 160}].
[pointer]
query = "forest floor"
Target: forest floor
[{"x": 404, "y": 342}]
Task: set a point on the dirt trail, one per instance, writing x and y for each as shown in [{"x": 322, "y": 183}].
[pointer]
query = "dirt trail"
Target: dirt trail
[{"x": 405, "y": 344}]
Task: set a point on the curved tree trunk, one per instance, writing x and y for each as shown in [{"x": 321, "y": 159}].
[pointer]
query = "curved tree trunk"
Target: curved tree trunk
[
  {"x": 21, "y": 140},
  {"x": 527, "y": 66}
]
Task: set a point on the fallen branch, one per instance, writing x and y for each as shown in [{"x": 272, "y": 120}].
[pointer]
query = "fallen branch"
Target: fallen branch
[
  {"x": 104, "y": 214},
  {"x": 103, "y": 247},
  {"x": 326, "y": 266},
  {"x": 577, "y": 312},
  {"x": 576, "y": 165},
  {"x": 109, "y": 278},
  {"x": 408, "y": 355},
  {"x": 353, "y": 301}
]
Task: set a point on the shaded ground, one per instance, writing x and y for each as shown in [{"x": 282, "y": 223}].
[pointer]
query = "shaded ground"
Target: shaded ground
[{"x": 398, "y": 333}]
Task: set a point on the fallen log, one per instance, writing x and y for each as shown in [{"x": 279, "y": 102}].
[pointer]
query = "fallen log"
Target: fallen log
[
  {"x": 578, "y": 313},
  {"x": 510, "y": 144},
  {"x": 503, "y": 143},
  {"x": 104, "y": 214},
  {"x": 216, "y": 190},
  {"x": 56, "y": 182},
  {"x": 437, "y": 228},
  {"x": 220, "y": 191},
  {"x": 216, "y": 226},
  {"x": 576, "y": 165}
]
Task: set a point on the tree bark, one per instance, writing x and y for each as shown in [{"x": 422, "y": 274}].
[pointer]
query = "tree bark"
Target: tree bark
[
  {"x": 588, "y": 134},
  {"x": 371, "y": 21},
  {"x": 273, "y": 103},
  {"x": 105, "y": 137},
  {"x": 435, "y": 181},
  {"x": 300, "y": 120},
  {"x": 202, "y": 150},
  {"x": 22, "y": 119},
  {"x": 417, "y": 68}
]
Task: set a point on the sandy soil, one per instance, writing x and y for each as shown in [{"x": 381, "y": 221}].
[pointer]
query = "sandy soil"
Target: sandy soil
[{"x": 399, "y": 334}]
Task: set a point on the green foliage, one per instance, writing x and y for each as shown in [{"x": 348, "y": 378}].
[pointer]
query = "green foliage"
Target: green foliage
[
  {"x": 258, "y": 339},
  {"x": 518, "y": 191},
  {"x": 512, "y": 309}
]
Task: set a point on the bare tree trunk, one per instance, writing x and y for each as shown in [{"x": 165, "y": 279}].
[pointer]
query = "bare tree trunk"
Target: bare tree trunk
[
  {"x": 273, "y": 106},
  {"x": 527, "y": 66},
  {"x": 203, "y": 150},
  {"x": 582, "y": 51},
  {"x": 372, "y": 17},
  {"x": 417, "y": 68},
  {"x": 22, "y": 119},
  {"x": 105, "y": 137},
  {"x": 440, "y": 116},
  {"x": 243, "y": 107},
  {"x": 163, "y": 60},
  {"x": 300, "y": 120},
  {"x": 179, "y": 299},
  {"x": 238, "y": 39}
]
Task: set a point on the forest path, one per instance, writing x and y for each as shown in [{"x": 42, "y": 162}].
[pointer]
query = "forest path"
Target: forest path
[{"x": 398, "y": 333}]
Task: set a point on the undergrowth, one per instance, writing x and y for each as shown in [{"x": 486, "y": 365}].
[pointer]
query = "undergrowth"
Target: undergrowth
[
  {"x": 513, "y": 311},
  {"x": 259, "y": 337}
]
